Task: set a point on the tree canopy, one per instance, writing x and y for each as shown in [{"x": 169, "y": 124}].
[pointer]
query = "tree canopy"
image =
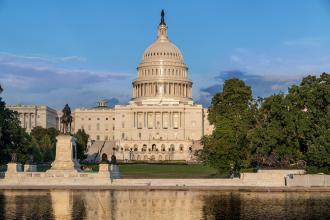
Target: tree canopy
[
  {"x": 231, "y": 113},
  {"x": 13, "y": 138},
  {"x": 280, "y": 131}
]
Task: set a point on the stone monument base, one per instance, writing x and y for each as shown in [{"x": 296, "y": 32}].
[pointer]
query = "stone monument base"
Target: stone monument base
[
  {"x": 14, "y": 167},
  {"x": 64, "y": 161},
  {"x": 104, "y": 170}
]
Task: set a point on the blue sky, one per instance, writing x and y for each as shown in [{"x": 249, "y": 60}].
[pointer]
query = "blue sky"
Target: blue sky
[{"x": 79, "y": 51}]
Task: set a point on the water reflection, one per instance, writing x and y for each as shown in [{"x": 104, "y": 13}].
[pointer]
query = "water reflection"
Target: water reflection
[{"x": 107, "y": 204}]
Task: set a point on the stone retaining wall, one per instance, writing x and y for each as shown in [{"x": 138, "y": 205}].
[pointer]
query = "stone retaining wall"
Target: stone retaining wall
[
  {"x": 309, "y": 180},
  {"x": 271, "y": 178}
]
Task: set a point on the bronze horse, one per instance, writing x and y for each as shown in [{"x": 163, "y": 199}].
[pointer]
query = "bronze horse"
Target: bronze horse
[{"x": 66, "y": 120}]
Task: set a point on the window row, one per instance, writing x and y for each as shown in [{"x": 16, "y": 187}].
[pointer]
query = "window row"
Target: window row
[
  {"x": 152, "y": 148},
  {"x": 163, "y": 72},
  {"x": 162, "y": 54}
]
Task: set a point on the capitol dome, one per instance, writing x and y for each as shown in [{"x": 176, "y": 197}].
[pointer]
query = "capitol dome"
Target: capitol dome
[
  {"x": 162, "y": 49},
  {"x": 162, "y": 73}
]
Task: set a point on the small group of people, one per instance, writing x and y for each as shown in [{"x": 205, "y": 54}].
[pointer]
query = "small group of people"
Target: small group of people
[{"x": 105, "y": 159}]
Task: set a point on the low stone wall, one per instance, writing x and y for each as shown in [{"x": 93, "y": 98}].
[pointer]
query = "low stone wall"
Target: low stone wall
[
  {"x": 45, "y": 178},
  {"x": 309, "y": 180},
  {"x": 266, "y": 178},
  {"x": 263, "y": 179},
  {"x": 178, "y": 182},
  {"x": 270, "y": 178},
  {"x": 284, "y": 172}
]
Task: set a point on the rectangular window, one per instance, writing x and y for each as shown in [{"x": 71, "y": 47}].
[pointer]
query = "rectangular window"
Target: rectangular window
[
  {"x": 176, "y": 120},
  {"x": 165, "y": 120},
  {"x": 139, "y": 120},
  {"x": 150, "y": 120}
]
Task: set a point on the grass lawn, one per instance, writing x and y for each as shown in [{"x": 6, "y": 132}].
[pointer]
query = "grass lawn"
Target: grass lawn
[
  {"x": 156, "y": 170},
  {"x": 166, "y": 171}
]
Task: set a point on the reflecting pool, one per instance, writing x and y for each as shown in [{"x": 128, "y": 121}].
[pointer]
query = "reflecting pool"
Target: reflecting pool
[{"x": 181, "y": 205}]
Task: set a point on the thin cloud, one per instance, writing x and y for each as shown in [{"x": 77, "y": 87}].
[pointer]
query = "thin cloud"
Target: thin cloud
[
  {"x": 34, "y": 80},
  {"x": 261, "y": 86},
  {"x": 74, "y": 58},
  {"x": 33, "y": 59},
  {"x": 313, "y": 43}
]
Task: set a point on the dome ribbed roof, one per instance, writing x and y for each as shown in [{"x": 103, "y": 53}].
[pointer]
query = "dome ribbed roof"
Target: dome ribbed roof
[{"x": 164, "y": 50}]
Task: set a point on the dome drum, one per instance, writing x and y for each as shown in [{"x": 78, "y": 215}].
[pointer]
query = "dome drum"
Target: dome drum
[{"x": 173, "y": 89}]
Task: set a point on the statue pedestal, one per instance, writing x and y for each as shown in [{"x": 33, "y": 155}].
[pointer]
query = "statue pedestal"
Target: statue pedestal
[
  {"x": 115, "y": 174},
  {"x": 14, "y": 168},
  {"x": 64, "y": 161},
  {"x": 104, "y": 170}
]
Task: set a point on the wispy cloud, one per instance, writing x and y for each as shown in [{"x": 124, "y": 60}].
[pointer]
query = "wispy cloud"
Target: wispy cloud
[
  {"x": 261, "y": 85},
  {"x": 305, "y": 42},
  {"x": 41, "y": 59},
  {"x": 74, "y": 58},
  {"x": 35, "y": 80}
]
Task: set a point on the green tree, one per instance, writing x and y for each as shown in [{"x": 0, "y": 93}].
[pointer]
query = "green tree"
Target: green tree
[
  {"x": 232, "y": 115},
  {"x": 295, "y": 126},
  {"x": 44, "y": 143},
  {"x": 312, "y": 97},
  {"x": 82, "y": 140},
  {"x": 278, "y": 136},
  {"x": 13, "y": 138}
]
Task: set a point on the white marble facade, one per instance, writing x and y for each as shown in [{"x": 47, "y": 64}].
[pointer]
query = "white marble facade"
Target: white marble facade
[
  {"x": 32, "y": 116},
  {"x": 161, "y": 122}
]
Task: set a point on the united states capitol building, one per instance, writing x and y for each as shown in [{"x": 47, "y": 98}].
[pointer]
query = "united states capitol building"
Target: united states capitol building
[{"x": 161, "y": 122}]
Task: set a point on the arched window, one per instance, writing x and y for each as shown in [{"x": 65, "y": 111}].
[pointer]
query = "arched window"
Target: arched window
[
  {"x": 153, "y": 147},
  {"x": 172, "y": 148},
  {"x": 163, "y": 147},
  {"x": 126, "y": 148},
  {"x": 135, "y": 147},
  {"x": 181, "y": 147}
]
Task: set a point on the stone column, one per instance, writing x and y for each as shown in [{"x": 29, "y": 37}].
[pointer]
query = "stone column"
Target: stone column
[
  {"x": 168, "y": 89},
  {"x": 133, "y": 92},
  {"x": 24, "y": 121}
]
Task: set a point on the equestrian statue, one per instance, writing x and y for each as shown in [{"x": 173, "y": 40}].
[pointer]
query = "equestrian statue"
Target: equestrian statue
[{"x": 66, "y": 120}]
